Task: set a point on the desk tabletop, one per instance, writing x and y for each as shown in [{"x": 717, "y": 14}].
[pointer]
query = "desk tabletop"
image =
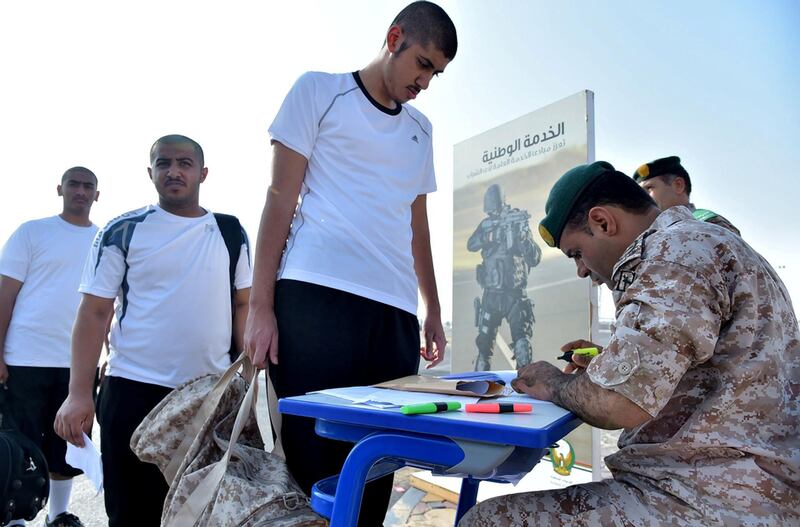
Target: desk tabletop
[{"x": 544, "y": 426}]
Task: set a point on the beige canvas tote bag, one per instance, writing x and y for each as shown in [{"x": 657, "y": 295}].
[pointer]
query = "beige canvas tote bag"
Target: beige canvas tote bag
[{"x": 205, "y": 440}]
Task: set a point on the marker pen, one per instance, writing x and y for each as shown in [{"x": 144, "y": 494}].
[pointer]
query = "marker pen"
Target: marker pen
[
  {"x": 586, "y": 352},
  {"x": 589, "y": 352},
  {"x": 499, "y": 408},
  {"x": 430, "y": 408}
]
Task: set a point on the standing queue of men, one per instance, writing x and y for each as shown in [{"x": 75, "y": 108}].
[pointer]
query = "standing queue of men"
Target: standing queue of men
[{"x": 701, "y": 372}]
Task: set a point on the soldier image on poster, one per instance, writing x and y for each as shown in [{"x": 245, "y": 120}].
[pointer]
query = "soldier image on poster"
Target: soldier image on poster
[{"x": 508, "y": 252}]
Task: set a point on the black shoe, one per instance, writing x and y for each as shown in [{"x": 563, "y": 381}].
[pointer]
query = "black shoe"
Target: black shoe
[{"x": 65, "y": 519}]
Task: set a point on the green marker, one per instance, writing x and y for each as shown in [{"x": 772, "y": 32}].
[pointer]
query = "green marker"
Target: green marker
[{"x": 430, "y": 408}]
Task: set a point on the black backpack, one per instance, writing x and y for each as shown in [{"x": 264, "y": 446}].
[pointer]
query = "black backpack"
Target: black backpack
[
  {"x": 24, "y": 481},
  {"x": 233, "y": 235}
]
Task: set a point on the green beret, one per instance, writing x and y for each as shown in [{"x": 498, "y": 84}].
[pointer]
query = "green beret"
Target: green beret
[
  {"x": 666, "y": 165},
  {"x": 564, "y": 195}
]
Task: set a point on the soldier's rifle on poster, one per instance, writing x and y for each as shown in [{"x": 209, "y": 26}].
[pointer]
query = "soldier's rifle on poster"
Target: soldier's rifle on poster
[{"x": 506, "y": 225}]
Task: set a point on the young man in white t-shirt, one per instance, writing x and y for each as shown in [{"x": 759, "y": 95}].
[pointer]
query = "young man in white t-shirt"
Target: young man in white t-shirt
[
  {"x": 40, "y": 269},
  {"x": 338, "y": 306},
  {"x": 169, "y": 269}
]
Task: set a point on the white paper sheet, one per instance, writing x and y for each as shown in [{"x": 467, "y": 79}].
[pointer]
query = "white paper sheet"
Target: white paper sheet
[
  {"x": 88, "y": 460},
  {"x": 505, "y": 376},
  {"x": 386, "y": 398}
]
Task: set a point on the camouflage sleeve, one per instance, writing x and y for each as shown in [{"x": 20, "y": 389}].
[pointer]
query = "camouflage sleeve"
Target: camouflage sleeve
[
  {"x": 723, "y": 222},
  {"x": 668, "y": 320}
]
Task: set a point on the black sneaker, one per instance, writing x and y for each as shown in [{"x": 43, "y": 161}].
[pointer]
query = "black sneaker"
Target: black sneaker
[{"x": 65, "y": 519}]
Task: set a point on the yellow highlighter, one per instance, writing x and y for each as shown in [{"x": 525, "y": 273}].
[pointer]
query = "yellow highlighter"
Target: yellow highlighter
[
  {"x": 586, "y": 352},
  {"x": 589, "y": 352}
]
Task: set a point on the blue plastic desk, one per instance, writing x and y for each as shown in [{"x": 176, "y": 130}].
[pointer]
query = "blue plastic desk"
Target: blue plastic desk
[{"x": 390, "y": 440}]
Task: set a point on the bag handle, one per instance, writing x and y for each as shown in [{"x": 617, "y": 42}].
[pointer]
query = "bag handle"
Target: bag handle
[
  {"x": 203, "y": 494},
  {"x": 205, "y": 411}
]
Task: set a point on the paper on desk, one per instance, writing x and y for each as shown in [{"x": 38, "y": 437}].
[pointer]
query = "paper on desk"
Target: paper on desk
[
  {"x": 505, "y": 376},
  {"x": 502, "y": 376},
  {"x": 88, "y": 460},
  {"x": 438, "y": 385},
  {"x": 519, "y": 398},
  {"x": 388, "y": 398}
]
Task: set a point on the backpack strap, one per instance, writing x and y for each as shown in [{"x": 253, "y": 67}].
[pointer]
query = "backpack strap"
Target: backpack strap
[{"x": 231, "y": 231}]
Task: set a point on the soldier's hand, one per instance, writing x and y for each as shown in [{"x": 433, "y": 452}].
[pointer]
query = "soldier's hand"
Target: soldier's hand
[
  {"x": 435, "y": 341},
  {"x": 534, "y": 379},
  {"x": 261, "y": 337},
  {"x": 75, "y": 417},
  {"x": 579, "y": 362}
]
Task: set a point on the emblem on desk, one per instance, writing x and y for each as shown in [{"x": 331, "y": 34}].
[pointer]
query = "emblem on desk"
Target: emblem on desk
[{"x": 562, "y": 456}]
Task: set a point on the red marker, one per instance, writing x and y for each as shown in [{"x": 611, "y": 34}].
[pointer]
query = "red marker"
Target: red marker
[{"x": 499, "y": 408}]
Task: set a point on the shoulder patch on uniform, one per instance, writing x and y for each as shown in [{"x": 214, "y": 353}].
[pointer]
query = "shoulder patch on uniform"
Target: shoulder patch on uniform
[{"x": 624, "y": 279}]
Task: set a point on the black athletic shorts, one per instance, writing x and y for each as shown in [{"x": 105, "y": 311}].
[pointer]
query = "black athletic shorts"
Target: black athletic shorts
[
  {"x": 34, "y": 395},
  {"x": 134, "y": 491},
  {"x": 329, "y": 339}
]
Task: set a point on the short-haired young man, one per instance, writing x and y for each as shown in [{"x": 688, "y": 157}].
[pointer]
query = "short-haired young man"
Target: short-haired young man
[
  {"x": 168, "y": 267},
  {"x": 702, "y": 370},
  {"x": 338, "y": 306},
  {"x": 40, "y": 270},
  {"x": 669, "y": 185}
]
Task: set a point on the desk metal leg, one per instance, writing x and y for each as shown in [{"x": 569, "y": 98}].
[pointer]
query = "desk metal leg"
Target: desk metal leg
[
  {"x": 350, "y": 489},
  {"x": 467, "y": 498}
]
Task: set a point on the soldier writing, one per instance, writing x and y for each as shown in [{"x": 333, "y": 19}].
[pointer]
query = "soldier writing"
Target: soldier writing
[{"x": 702, "y": 370}]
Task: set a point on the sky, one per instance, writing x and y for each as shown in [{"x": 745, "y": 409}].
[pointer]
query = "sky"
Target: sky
[{"x": 95, "y": 83}]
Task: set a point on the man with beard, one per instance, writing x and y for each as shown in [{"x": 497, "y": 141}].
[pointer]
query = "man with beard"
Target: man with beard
[
  {"x": 702, "y": 370},
  {"x": 167, "y": 265}
]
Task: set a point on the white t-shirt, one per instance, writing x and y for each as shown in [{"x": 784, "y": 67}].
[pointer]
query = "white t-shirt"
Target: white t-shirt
[
  {"x": 366, "y": 166},
  {"x": 47, "y": 256},
  {"x": 169, "y": 275}
]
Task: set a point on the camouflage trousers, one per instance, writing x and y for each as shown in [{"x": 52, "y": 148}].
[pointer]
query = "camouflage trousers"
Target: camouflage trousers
[{"x": 606, "y": 503}]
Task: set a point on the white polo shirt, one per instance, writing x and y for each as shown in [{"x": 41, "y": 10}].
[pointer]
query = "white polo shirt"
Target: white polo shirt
[
  {"x": 366, "y": 166},
  {"x": 47, "y": 256},
  {"x": 170, "y": 277}
]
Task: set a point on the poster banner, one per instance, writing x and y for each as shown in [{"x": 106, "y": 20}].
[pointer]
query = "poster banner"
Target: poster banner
[{"x": 516, "y": 300}]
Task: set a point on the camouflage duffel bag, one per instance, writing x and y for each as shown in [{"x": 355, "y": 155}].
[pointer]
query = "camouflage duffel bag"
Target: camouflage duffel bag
[{"x": 205, "y": 440}]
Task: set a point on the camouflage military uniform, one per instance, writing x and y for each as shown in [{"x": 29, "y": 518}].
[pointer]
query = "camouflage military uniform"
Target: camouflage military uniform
[
  {"x": 714, "y": 218},
  {"x": 707, "y": 342}
]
